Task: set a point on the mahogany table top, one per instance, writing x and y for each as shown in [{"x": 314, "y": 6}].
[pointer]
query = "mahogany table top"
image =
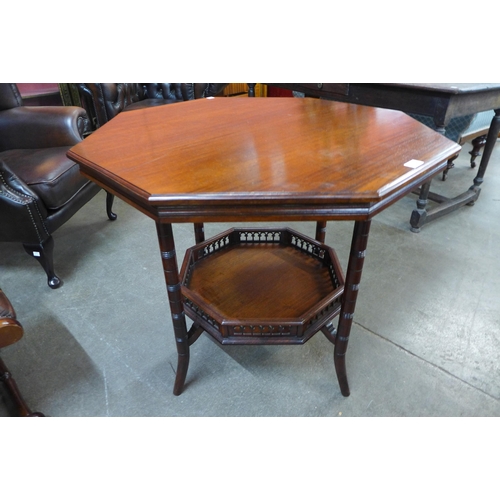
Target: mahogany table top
[{"x": 228, "y": 159}]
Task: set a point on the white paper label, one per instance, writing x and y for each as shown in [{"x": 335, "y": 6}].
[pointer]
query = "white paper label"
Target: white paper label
[{"x": 413, "y": 163}]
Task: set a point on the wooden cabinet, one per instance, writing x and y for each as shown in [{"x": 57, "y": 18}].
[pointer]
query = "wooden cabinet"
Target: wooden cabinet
[
  {"x": 40, "y": 94},
  {"x": 241, "y": 90}
]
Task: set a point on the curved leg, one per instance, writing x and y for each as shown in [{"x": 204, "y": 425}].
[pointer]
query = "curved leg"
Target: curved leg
[
  {"x": 171, "y": 271},
  {"x": 194, "y": 333},
  {"x": 44, "y": 253},
  {"x": 351, "y": 287},
  {"x": 330, "y": 332},
  {"x": 110, "y": 198}
]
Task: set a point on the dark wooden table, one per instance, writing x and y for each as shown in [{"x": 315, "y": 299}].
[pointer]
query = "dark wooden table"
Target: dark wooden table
[
  {"x": 239, "y": 160},
  {"x": 442, "y": 102}
]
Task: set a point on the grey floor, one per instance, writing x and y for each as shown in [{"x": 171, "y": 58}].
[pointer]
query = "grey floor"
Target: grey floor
[{"x": 425, "y": 339}]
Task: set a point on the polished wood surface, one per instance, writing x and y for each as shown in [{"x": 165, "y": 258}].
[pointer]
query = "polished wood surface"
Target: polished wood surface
[
  {"x": 264, "y": 273},
  {"x": 261, "y": 286},
  {"x": 442, "y": 102},
  {"x": 262, "y": 160},
  {"x": 274, "y": 151}
]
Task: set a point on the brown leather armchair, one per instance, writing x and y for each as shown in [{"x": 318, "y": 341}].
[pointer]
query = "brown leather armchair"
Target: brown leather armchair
[
  {"x": 40, "y": 188},
  {"x": 104, "y": 101},
  {"x": 10, "y": 332}
]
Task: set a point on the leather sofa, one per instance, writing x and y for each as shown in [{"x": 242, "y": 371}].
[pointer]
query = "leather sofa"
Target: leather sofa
[
  {"x": 103, "y": 101},
  {"x": 40, "y": 188}
]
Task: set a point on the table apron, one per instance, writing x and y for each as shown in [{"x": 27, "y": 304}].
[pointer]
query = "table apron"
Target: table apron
[{"x": 270, "y": 213}]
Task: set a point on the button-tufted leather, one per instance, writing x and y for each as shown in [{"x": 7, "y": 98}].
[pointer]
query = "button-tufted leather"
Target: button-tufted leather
[
  {"x": 40, "y": 187},
  {"x": 103, "y": 101}
]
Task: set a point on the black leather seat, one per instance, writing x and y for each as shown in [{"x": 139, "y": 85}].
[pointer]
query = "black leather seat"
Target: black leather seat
[
  {"x": 103, "y": 101},
  {"x": 40, "y": 188}
]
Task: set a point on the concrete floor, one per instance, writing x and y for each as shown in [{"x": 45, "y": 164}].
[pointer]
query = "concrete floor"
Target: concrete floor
[{"x": 425, "y": 339}]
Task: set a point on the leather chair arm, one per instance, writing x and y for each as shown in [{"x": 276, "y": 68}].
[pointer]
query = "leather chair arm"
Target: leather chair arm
[
  {"x": 22, "y": 214},
  {"x": 31, "y": 127}
]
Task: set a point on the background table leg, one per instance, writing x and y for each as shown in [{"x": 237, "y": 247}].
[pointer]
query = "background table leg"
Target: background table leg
[
  {"x": 351, "y": 287},
  {"x": 320, "y": 231},
  {"x": 171, "y": 271},
  {"x": 199, "y": 232},
  {"x": 488, "y": 148}
]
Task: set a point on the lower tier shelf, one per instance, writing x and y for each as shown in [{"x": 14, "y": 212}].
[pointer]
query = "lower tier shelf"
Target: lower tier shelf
[{"x": 261, "y": 286}]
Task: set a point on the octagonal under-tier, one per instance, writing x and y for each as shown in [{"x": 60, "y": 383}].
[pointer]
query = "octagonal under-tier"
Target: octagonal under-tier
[{"x": 251, "y": 286}]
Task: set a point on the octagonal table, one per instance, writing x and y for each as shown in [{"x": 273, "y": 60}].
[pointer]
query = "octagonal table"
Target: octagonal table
[{"x": 242, "y": 160}]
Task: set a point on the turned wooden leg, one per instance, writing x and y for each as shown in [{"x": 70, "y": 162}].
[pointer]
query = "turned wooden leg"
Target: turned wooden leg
[
  {"x": 199, "y": 232},
  {"x": 491, "y": 140},
  {"x": 320, "y": 231},
  {"x": 418, "y": 216},
  {"x": 110, "y": 198},
  {"x": 171, "y": 271},
  {"x": 477, "y": 144},
  {"x": 13, "y": 390},
  {"x": 449, "y": 166},
  {"x": 44, "y": 253},
  {"x": 351, "y": 287}
]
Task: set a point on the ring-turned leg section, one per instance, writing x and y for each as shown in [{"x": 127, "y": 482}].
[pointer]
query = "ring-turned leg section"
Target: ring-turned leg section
[
  {"x": 351, "y": 287},
  {"x": 171, "y": 272},
  {"x": 419, "y": 215},
  {"x": 477, "y": 144}
]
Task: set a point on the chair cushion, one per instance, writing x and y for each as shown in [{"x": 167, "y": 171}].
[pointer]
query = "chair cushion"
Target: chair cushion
[
  {"x": 48, "y": 172},
  {"x": 148, "y": 103}
]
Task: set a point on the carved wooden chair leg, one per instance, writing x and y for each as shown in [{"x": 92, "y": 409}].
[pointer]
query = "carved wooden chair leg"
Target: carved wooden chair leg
[
  {"x": 449, "y": 166},
  {"x": 11, "y": 332},
  {"x": 477, "y": 144},
  {"x": 110, "y": 198},
  {"x": 44, "y": 253},
  {"x": 11, "y": 386}
]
